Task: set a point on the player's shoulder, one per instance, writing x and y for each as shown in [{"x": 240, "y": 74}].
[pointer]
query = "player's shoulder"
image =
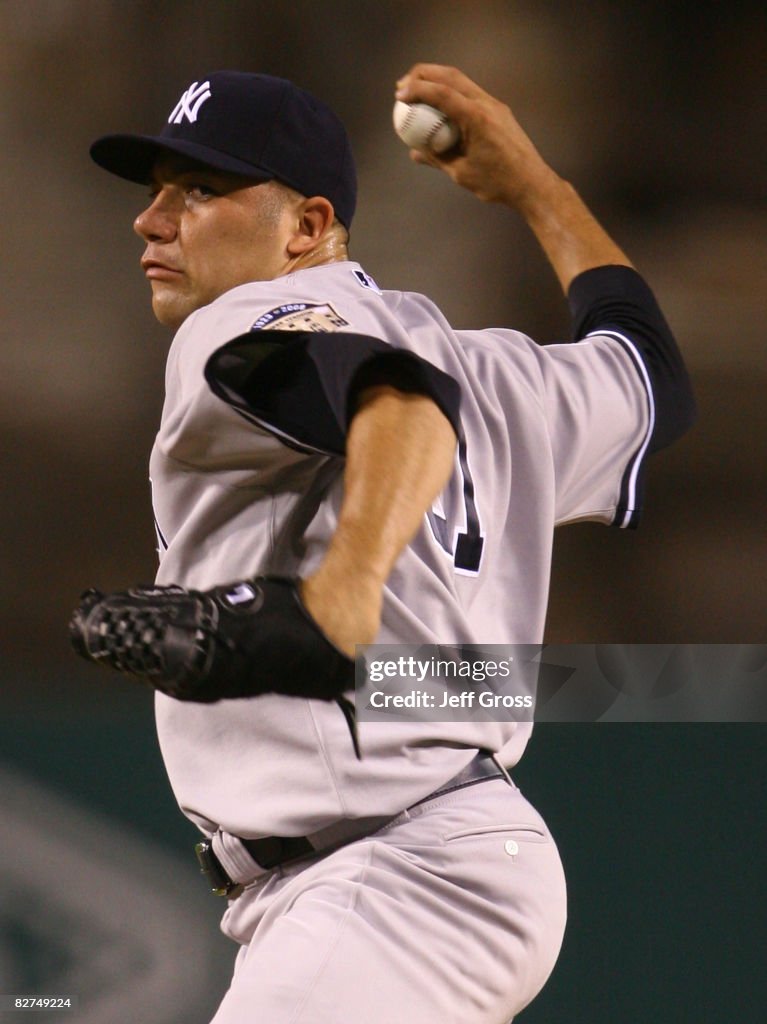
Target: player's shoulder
[
  {"x": 506, "y": 361},
  {"x": 320, "y": 299}
]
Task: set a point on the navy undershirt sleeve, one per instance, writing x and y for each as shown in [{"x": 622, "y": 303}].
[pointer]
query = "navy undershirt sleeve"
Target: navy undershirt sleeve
[
  {"x": 304, "y": 386},
  {"x": 616, "y": 300}
]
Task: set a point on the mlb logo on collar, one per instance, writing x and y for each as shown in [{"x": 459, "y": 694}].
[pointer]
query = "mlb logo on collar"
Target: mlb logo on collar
[{"x": 366, "y": 280}]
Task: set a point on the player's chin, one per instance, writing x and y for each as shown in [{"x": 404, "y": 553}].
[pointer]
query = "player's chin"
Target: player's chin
[{"x": 170, "y": 305}]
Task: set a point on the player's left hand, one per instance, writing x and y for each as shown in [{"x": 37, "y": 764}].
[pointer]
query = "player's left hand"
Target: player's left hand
[{"x": 251, "y": 637}]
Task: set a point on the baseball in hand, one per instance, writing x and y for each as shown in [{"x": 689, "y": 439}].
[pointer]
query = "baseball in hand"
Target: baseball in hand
[{"x": 423, "y": 127}]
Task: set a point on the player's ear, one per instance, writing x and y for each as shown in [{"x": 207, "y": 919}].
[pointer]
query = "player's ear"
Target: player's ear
[{"x": 314, "y": 218}]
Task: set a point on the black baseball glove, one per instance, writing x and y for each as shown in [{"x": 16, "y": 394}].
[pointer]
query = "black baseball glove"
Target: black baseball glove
[{"x": 250, "y": 637}]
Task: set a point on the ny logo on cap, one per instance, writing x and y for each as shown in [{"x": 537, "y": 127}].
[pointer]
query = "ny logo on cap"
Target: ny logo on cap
[{"x": 189, "y": 104}]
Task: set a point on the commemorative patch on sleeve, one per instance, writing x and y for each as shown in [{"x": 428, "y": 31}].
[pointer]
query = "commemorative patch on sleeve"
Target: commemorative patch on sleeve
[{"x": 301, "y": 316}]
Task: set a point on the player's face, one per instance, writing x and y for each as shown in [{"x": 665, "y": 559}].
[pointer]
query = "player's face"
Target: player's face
[{"x": 207, "y": 231}]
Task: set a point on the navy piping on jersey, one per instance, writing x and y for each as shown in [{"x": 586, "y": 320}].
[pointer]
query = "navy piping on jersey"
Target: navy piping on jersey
[{"x": 629, "y": 504}]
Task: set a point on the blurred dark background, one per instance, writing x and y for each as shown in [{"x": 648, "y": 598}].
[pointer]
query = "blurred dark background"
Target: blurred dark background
[{"x": 658, "y": 114}]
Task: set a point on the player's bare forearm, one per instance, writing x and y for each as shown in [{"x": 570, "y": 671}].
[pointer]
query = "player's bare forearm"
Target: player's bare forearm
[
  {"x": 400, "y": 453},
  {"x": 498, "y": 162},
  {"x": 567, "y": 231}
]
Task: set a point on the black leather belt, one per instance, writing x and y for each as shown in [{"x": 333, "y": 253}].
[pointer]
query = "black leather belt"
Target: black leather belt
[{"x": 272, "y": 851}]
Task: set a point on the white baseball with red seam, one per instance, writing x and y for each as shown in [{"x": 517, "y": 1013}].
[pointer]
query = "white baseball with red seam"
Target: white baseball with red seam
[{"x": 423, "y": 127}]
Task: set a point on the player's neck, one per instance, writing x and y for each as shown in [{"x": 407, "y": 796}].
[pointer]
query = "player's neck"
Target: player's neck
[{"x": 331, "y": 249}]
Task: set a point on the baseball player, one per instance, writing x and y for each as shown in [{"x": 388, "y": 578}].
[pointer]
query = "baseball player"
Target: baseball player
[{"x": 337, "y": 465}]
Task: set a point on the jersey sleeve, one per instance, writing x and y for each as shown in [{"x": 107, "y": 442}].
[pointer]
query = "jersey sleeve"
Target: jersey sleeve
[
  {"x": 616, "y": 302},
  {"x": 599, "y": 422},
  {"x": 617, "y": 394},
  {"x": 303, "y": 386}
]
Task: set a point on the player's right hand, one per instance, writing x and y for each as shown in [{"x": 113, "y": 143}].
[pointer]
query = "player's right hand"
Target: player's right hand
[{"x": 495, "y": 159}]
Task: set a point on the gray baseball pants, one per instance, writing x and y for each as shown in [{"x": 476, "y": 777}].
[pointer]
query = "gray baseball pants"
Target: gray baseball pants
[{"x": 453, "y": 913}]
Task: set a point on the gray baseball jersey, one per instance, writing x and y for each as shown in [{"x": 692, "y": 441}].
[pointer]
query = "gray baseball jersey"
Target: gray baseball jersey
[{"x": 549, "y": 435}]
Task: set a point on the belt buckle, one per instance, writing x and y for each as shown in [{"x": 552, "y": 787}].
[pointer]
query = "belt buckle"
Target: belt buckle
[{"x": 210, "y": 866}]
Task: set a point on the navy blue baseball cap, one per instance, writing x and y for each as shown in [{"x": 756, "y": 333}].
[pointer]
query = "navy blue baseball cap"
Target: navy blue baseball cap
[{"x": 257, "y": 125}]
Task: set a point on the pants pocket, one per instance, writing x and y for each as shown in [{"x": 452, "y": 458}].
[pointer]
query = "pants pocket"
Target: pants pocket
[{"x": 527, "y": 833}]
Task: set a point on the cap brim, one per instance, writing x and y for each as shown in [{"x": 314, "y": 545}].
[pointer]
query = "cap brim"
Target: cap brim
[{"x": 134, "y": 156}]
